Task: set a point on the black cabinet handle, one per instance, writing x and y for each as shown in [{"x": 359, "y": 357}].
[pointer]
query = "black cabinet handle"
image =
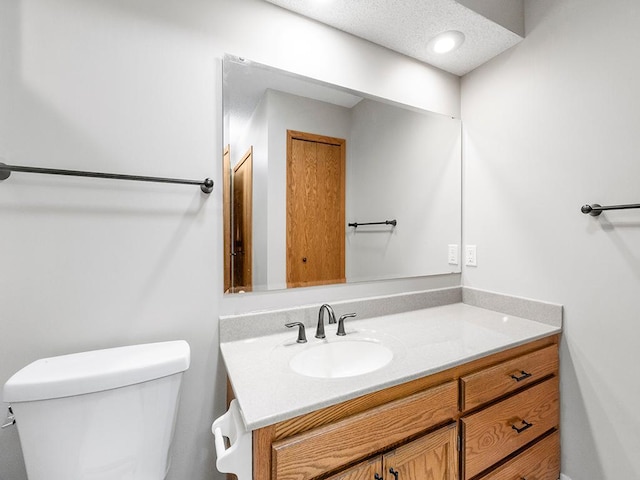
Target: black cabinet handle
[
  {"x": 522, "y": 429},
  {"x": 394, "y": 473},
  {"x": 377, "y": 477},
  {"x": 523, "y": 376}
]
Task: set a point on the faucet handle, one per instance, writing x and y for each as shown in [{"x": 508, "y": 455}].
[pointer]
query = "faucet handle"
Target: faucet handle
[
  {"x": 341, "y": 331},
  {"x": 302, "y": 337}
]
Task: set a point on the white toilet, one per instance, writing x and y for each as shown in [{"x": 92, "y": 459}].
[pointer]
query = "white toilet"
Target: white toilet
[{"x": 100, "y": 415}]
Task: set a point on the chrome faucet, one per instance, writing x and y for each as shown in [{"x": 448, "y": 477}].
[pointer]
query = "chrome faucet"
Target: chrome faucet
[{"x": 332, "y": 319}]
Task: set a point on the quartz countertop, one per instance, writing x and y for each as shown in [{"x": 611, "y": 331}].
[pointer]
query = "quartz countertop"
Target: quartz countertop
[{"x": 423, "y": 342}]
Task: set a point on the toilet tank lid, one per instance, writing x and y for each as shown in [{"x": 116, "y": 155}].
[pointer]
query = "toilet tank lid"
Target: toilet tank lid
[{"x": 97, "y": 370}]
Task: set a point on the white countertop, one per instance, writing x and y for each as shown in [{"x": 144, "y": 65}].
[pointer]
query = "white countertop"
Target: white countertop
[{"x": 423, "y": 342}]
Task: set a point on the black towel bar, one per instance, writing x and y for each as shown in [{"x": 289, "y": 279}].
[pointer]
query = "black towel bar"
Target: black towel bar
[
  {"x": 386, "y": 222},
  {"x": 206, "y": 185},
  {"x": 595, "y": 209}
]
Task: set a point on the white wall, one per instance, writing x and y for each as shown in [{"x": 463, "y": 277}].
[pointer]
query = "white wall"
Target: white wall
[
  {"x": 550, "y": 125},
  {"x": 508, "y": 13},
  {"x": 402, "y": 165},
  {"x": 255, "y": 134},
  {"x": 291, "y": 112},
  {"x": 134, "y": 86}
]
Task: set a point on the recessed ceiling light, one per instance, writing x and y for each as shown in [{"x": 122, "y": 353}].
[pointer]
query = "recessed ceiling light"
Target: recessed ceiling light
[{"x": 446, "y": 42}]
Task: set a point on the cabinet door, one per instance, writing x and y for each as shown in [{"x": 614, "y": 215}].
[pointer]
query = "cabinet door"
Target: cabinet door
[
  {"x": 368, "y": 470},
  {"x": 432, "y": 457}
]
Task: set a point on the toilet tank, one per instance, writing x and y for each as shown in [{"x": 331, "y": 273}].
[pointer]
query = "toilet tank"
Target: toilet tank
[{"x": 100, "y": 415}]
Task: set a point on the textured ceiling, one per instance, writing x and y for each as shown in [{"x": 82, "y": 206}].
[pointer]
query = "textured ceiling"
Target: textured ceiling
[{"x": 406, "y": 26}]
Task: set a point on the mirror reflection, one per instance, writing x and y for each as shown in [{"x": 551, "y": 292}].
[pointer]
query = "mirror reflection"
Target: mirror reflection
[{"x": 323, "y": 185}]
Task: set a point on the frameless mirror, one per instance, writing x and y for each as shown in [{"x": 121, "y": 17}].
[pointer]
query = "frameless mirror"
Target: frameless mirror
[{"x": 325, "y": 185}]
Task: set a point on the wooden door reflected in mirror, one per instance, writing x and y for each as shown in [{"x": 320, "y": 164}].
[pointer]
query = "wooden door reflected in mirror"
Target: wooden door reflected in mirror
[
  {"x": 238, "y": 219},
  {"x": 315, "y": 209}
]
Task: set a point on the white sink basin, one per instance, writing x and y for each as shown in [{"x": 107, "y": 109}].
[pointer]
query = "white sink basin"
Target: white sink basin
[{"x": 341, "y": 359}]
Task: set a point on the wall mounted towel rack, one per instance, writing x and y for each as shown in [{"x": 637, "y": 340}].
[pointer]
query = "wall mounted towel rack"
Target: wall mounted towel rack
[
  {"x": 595, "y": 209},
  {"x": 206, "y": 185},
  {"x": 386, "y": 222}
]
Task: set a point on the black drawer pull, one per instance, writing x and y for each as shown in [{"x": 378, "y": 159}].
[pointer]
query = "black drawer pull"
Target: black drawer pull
[
  {"x": 377, "y": 477},
  {"x": 522, "y": 429},
  {"x": 523, "y": 376},
  {"x": 394, "y": 473}
]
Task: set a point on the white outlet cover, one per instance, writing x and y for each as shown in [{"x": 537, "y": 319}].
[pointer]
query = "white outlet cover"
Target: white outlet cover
[
  {"x": 452, "y": 256},
  {"x": 470, "y": 255}
]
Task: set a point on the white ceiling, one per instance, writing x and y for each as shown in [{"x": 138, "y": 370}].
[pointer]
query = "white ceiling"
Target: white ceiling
[
  {"x": 247, "y": 81},
  {"x": 406, "y": 26}
]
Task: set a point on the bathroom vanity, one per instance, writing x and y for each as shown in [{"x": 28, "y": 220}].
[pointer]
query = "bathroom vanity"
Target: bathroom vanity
[{"x": 469, "y": 394}]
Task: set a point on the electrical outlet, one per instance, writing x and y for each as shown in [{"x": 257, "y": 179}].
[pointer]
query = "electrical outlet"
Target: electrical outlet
[
  {"x": 470, "y": 256},
  {"x": 453, "y": 255}
]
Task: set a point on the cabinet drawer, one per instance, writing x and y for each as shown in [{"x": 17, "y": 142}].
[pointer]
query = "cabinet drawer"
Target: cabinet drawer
[
  {"x": 499, "y": 430},
  {"x": 493, "y": 382},
  {"x": 540, "y": 462},
  {"x": 309, "y": 454}
]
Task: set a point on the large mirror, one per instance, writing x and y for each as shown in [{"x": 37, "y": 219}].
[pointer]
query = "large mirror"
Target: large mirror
[{"x": 324, "y": 185}]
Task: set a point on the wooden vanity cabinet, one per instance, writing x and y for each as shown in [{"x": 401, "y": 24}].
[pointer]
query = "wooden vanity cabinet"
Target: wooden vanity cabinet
[
  {"x": 324, "y": 449},
  {"x": 367, "y": 470},
  {"x": 539, "y": 462},
  {"x": 507, "y": 409},
  {"x": 433, "y": 456},
  {"x": 497, "y": 431},
  {"x": 469, "y": 422}
]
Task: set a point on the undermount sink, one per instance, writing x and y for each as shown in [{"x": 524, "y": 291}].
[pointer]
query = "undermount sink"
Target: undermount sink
[{"x": 341, "y": 359}]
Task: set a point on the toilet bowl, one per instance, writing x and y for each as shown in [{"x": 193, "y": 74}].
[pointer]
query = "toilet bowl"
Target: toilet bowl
[{"x": 100, "y": 415}]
